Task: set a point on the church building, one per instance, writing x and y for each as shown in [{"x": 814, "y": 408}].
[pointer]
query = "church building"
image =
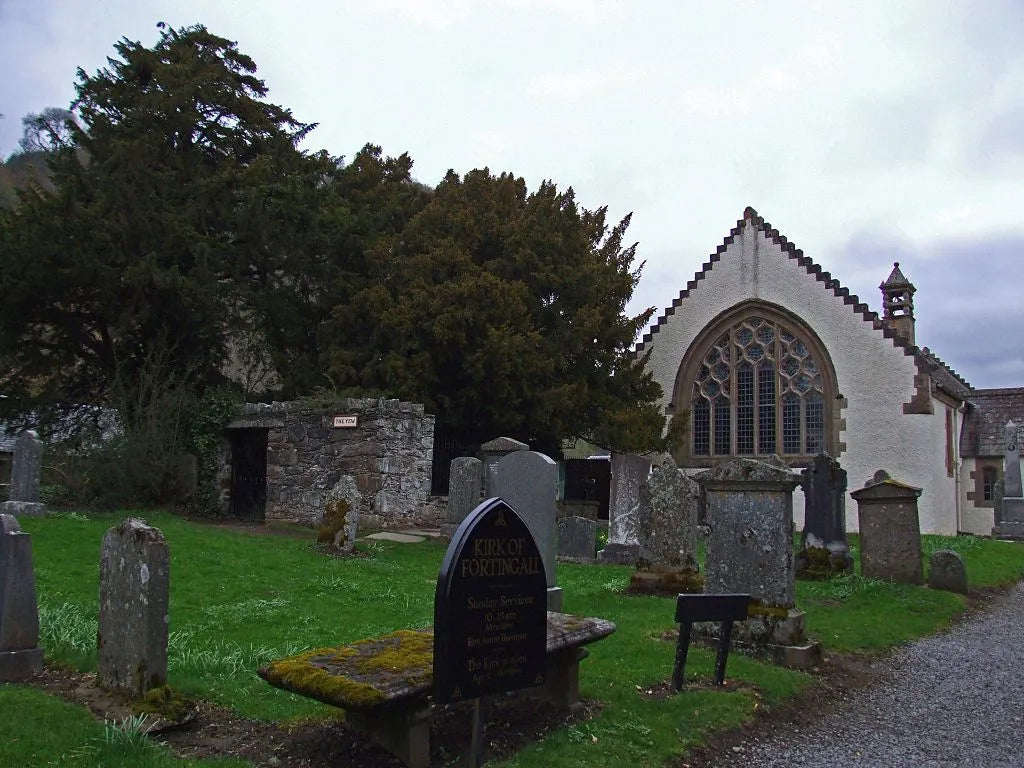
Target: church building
[{"x": 765, "y": 353}]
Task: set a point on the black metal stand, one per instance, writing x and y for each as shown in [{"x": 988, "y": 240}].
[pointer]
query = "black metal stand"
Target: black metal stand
[{"x": 724, "y": 609}]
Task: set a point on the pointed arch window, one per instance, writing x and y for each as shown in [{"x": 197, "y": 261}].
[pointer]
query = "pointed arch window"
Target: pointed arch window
[{"x": 758, "y": 389}]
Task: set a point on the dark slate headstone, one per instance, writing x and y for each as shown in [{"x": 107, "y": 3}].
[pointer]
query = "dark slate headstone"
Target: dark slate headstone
[
  {"x": 20, "y": 654},
  {"x": 946, "y": 571},
  {"x": 890, "y": 530},
  {"x": 577, "y": 539},
  {"x": 465, "y": 482},
  {"x": 490, "y": 613},
  {"x": 133, "y": 626},
  {"x": 25, "y": 471},
  {"x": 823, "y": 547},
  {"x": 528, "y": 482}
]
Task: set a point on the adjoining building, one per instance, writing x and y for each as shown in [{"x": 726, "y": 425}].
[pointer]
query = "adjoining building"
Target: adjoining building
[{"x": 765, "y": 353}]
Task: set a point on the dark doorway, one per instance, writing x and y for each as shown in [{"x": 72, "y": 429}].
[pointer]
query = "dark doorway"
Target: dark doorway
[
  {"x": 589, "y": 480},
  {"x": 448, "y": 444},
  {"x": 248, "y": 474}
]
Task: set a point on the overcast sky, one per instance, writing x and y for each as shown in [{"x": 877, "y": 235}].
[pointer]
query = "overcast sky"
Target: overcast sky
[{"x": 866, "y": 132}]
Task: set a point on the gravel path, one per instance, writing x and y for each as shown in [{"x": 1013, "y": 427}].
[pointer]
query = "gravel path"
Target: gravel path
[{"x": 955, "y": 699}]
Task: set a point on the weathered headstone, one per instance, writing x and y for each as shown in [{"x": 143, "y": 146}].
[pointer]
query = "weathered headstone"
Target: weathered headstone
[
  {"x": 133, "y": 626},
  {"x": 465, "y": 480},
  {"x": 750, "y": 549},
  {"x": 946, "y": 571},
  {"x": 25, "y": 471},
  {"x": 528, "y": 482},
  {"x": 20, "y": 654},
  {"x": 577, "y": 539},
  {"x": 1009, "y": 513},
  {"x": 490, "y": 617},
  {"x": 890, "y": 530},
  {"x": 341, "y": 514},
  {"x": 628, "y": 474},
  {"x": 669, "y": 508},
  {"x": 823, "y": 547},
  {"x": 494, "y": 451}
]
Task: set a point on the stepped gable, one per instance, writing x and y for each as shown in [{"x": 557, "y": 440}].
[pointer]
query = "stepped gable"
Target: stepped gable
[
  {"x": 942, "y": 375},
  {"x": 985, "y": 421}
]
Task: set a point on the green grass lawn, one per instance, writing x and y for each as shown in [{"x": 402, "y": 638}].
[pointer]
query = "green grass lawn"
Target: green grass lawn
[{"x": 238, "y": 601}]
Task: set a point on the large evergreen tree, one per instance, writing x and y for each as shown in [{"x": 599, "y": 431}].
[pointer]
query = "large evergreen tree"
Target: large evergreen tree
[
  {"x": 180, "y": 220},
  {"x": 503, "y": 311}
]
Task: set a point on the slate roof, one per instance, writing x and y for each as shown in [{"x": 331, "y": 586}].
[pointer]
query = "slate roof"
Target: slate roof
[
  {"x": 944, "y": 377},
  {"x": 985, "y": 421}
]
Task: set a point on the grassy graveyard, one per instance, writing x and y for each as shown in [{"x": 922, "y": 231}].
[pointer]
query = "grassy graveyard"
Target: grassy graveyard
[{"x": 241, "y": 600}]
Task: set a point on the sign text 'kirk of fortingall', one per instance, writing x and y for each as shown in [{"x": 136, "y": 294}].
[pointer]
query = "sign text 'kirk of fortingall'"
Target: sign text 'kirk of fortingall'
[{"x": 490, "y": 609}]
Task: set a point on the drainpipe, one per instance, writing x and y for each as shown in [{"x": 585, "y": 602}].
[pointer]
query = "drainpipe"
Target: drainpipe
[{"x": 958, "y": 462}]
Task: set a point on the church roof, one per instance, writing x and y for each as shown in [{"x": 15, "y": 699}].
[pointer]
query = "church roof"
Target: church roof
[
  {"x": 985, "y": 421},
  {"x": 944, "y": 377}
]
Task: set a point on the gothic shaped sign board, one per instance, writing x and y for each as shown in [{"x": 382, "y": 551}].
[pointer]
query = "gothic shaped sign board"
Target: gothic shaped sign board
[{"x": 490, "y": 607}]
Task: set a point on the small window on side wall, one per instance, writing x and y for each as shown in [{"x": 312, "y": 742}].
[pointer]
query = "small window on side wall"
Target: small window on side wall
[{"x": 989, "y": 478}]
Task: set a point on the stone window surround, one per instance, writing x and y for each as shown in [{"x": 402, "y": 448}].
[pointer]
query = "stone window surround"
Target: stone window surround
[
  {"x": 977, "y": 494},
  {"x": 833, "y": 401}
]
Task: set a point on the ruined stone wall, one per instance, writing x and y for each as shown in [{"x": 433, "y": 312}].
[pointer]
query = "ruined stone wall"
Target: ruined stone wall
[{"x": 388, "y": 453}]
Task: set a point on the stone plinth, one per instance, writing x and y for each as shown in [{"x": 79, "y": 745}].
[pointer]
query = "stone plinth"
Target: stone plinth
[
  {"x": 890, "y": 530},
  {"x": 750, "y": 544},
  {"x": 20, "y": 654},
  {"x": 133, "y": 626}
]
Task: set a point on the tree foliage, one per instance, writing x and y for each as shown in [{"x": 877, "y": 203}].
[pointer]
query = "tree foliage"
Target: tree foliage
[
  {"x": 502, "y": 310},
  {"x": 179, "y": 218}
]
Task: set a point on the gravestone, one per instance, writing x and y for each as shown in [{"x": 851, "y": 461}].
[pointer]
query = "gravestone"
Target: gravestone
[
  {"x": 890, "y": 530},
  {"x": 1009, "y": 516},
  {"x": 750, "y": 549},
  {"x": 20, "y": 654},
  {"x": 465, "y": 481},
  {"x": 341, "y": 514},
  {"x": 528, "y": 482},
  {"x": 25, "y": 470},
  {"x": 134, "y": 586},
  {"x": 946, "y": 571},
  {"x": 490, "y": 617},
  {"x": 577, "y": 539},
  {"x": 669, "y": 508},
  {"x": 824, "y": 551},
  {"x": 628, "y": 474},
  {"x": 493, "y": 452}
]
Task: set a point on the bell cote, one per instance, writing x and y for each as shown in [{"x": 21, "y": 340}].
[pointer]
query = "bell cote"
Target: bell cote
[{"x": 898, "y": 303}]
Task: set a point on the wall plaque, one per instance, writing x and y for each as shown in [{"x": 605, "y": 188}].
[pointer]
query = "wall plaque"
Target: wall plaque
[
  {"x": 490, "y": 607},
  {"x": 345, "y": 422}
]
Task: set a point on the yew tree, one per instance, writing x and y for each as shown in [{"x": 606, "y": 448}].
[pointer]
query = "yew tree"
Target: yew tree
[{"x": 503, "y": 310}]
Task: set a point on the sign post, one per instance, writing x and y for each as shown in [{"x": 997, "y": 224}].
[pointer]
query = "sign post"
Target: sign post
[{"x": 490, "y": 611}]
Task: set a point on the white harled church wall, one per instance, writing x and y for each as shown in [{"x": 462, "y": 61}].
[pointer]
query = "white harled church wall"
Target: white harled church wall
[{"x": 875, "y": 377}]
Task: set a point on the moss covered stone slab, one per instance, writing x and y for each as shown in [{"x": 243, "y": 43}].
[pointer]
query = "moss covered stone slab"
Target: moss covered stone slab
[{"x": 398, "y": 667}]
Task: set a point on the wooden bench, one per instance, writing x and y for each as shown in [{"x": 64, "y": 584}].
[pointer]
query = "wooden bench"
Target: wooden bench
[{"x": 384, "y": 684}]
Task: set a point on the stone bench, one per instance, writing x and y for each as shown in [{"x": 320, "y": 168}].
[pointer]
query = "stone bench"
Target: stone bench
[{"x": 384, "y": 684}]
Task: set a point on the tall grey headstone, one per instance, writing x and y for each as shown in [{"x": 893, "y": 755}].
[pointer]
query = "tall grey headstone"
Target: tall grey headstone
[
  {"x": 890, "y": 530},
  {"x": 341, "y": 512},
  {"x": 493, "y": 452},
  {"x": 824, "y": 550},
  {"x": 628, "y": 474},
  {"x": 750, "y": 544},
  {"x": 1009, "y": 514},
  {"x": 577, "y": 539},
  {"x": 465, "y": 481},
  {"x": 20, "y": 654},
  {"x": 528, "y": 482},
  {"x": 668, "y": 525},
  {"x": 25, "y": 472},
  {"x": 133, "y": 627}
]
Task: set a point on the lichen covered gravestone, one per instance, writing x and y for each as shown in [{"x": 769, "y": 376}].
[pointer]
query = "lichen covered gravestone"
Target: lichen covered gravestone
[
  {"x": 25, "y": 472},
  {"x": 667, "y": 533},
  {"x": 628, "y": 474},
  {"x": 465, "y": 480},
  {"x": 133, "y": 627},
  {"x": 946, "y": 571},
  {"x": 528, "y": 482},
  {"x": 890, "y": 530},
  {"x": 577, "y": 539},
  {"x": 340, "y": 522},
  {"x": 20, "y": 654}
]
